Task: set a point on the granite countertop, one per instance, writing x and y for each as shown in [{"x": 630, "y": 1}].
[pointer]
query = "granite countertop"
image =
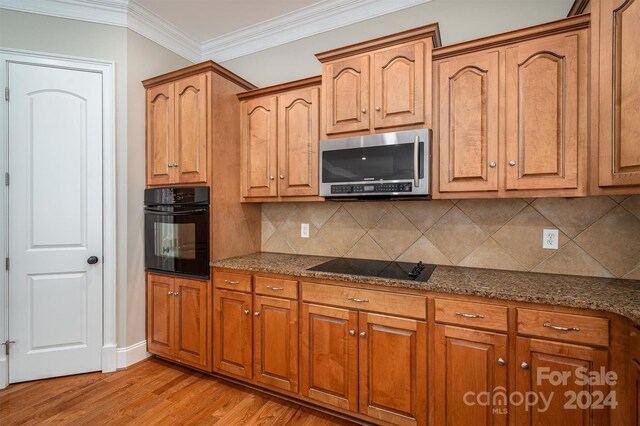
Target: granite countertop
[{"x": 602, "y": 294}]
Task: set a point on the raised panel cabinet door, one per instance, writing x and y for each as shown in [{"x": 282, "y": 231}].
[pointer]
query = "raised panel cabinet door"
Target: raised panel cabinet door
[
  {"x": 275, "y": 342},
  {"x": 232, "y": 333},
  {"x": 298, "y": 142},
  {"x": 329, "y": 355},
  {"x": 160, "y": 135},
  {"x": 536, "y": 361},
  {"x": 399, "y": 85},
  {"x": 346, "y": 95},
  {"x": 393, "y": 369},
  {"x": 193, "y": 316},
  {"x": 192, "y": 128},
  {"x": 619, "y": 109},
  {"x": 545, "y": 112},
  {"x": 160, "y": 313},
  {"x": 259, "y": 147},
  {"x": 468, "y": 95},
  {"x": 470, "y": 377}
]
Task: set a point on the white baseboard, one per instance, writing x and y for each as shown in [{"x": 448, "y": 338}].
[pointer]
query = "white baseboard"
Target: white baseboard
[{"x": 131, "y": 354}]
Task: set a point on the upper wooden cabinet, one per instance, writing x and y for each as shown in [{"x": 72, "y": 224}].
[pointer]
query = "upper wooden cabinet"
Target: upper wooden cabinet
[
  {"x": 380, "y": 84},
  {"x": 512, "y": 114},
  {"x": 180, "y": 122},
  {"x": 280, "y": 137}
]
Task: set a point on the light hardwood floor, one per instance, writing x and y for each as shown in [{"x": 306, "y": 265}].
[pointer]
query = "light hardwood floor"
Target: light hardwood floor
[{"x": 150, "y": 392}]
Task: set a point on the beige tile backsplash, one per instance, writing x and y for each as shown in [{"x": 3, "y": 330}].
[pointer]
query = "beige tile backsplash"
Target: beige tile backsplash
[{"x": 599, "y": 236}]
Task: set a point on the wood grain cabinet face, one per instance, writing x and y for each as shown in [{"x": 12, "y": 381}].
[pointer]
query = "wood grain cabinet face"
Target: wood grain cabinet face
[
  {"x": 232, "y": 333},
  {"x": 160, "y": 134},
  {"x": 393, "y": 369},
  {"x": 468, "y": 90},
  {"x": 545, "y": 104},
  {"x": 191, "y": 109},
  {"x": 470, "y": 361},
  {"x": 619, "y": 108},
  {"x": 259, "y": 147},
  {"x": 275, "y": 343},
  {"x": 329, "y": 355},
  {"x": 347, "y": 94},
  {"x": 160, "y": 324},
  {"x": 635, "y": 392},
  {"x": 534, "y": 356}
]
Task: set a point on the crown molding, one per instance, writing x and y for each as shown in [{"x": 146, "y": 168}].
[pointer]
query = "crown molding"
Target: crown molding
[
  {"x": 111, "y": 12},
  {"x": 317, "y": 18}
]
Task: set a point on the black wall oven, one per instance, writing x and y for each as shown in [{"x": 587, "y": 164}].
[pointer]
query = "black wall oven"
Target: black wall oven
[{"x": 176, "y": 228}]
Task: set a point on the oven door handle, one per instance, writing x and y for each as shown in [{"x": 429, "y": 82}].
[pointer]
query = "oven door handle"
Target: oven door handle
[
  {"x": 416, "y": 161},
  {"x": 180, "y": 213}
]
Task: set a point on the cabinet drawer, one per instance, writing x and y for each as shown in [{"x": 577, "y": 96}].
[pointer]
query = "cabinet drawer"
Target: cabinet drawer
[
  {"x": 405, "y": 305},
  {"x": 276, "y": 287},
  {"x": 232, "y": 281},
  {"x": 569, "y": 327},
  {"x": 470, "y": 314}
]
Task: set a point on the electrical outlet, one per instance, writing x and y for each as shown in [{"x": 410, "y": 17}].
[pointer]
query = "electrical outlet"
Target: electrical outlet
[
  {"x": 550, "y": 239},
  {"x": 304, "y": 230}
]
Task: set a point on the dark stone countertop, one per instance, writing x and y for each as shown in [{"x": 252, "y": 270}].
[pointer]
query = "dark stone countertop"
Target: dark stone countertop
[{"x": 618, "y": 296}]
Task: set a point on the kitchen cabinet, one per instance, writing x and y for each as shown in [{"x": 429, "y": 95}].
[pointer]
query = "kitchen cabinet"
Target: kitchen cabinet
[
  {"x": 470, "y": 376},
  {"x": 178, "y": 319},
  {"x": 279, "y": 143},
  {"x": 512, "y": 115},
  {"x": 379, "y": 84},
  {"x": 536, "y": 359},
  {"x": 635, "y": 392},
  {"x": 233, "y": 349},
  {"x": 177, "y": 131}
]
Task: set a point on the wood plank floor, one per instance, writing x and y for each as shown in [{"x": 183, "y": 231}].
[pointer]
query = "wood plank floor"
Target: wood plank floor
[{"x": 150, "y": 392}]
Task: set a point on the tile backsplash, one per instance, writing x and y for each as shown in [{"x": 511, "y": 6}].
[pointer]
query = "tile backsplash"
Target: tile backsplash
[{"x": 599, "y": 236}]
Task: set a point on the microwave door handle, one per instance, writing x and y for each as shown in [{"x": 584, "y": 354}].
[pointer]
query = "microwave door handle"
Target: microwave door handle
[
  {"x": 416, "y": 161},
  {"x": 180, "y": 213}
]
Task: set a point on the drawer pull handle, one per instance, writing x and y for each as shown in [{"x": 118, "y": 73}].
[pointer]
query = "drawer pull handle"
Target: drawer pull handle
[
  {"x": 462, "y": 314},
  {"x": 275, "y": 288},
  {"x": 231, "y": 282},
  {"x": 559, "y": 328},
  {"x": 355, "y": 299}
]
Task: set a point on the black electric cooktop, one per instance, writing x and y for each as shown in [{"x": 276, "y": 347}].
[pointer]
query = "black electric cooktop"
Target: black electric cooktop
[{"x": 377, "y": 268}]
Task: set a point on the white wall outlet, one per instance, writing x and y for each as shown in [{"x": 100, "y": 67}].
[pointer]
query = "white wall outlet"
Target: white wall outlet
[
  {"x": 304, "y": 230},
  {"x": 550, "y": 239}
]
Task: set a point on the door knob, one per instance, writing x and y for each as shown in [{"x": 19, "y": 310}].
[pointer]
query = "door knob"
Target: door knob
[{"x": 92, "y": 260}]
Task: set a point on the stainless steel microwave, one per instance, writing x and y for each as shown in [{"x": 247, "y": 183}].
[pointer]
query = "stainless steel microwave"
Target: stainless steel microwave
[{"x": 394, "y": 165}]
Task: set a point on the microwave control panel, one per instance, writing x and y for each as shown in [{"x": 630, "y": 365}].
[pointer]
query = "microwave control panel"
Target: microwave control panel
[{"x": 369, "y": 188}]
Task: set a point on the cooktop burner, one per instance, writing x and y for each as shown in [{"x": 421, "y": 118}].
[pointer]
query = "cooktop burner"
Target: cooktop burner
[{"x": 377, "y": 268}]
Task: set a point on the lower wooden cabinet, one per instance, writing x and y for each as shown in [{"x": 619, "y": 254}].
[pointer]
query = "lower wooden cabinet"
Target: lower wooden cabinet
[
  {"x": 470, "y": 369},
  {"x": 232, "y": 333},
  {"x": 358, "y": 361},
  {"x": 178, "y": 319},
  {"x": 540, "y": 366}
]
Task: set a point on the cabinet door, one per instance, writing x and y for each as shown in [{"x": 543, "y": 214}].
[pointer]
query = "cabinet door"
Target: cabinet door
[
  {"x": 329, "y": 357},
  {"x": 192, "y": 128},
  {"x": 346, "y": 95},
  {"x": 160, "y": 324},
  {"x": 619, "y": 108},
  {"x": 232, "y": 333},
  {"x": 635, "y": 393},
  {"x": 536, "y": 360},
  {"x": 275, "y": 342},
  {"x": 468, "y": 98},
  {"x": 259, "y": 150},
  {"x": 298, "y": 140},
  {"x": 470, "y": 361},
  {"x": 160, "y": 135},
  {"x": 393, "y": 369},
  {"x": 192, "y": 319},
  {"x": 545, "y": 106},
  {"x": 399, "y": 85}
]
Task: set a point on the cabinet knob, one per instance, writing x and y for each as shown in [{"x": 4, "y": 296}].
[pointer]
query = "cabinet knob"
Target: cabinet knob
[
  {"x": 364, "y": 110},
  {"x": 524, "y": 365},
  {"x": 175, "y": 293},
  {"x": 271, "y": 178},
  {"x": 170, "y": 293},
  {"x": 352, "y": 332},
  {"x": 256, "y": 314},
  {"x": 377, "y": 108},
  {"x": 281, "y": 176},
  {"x": 512, "y": 163},
  {"x": 246, "y": 312},
  {"x": 175, "y": 164},
  {"x": 169, "y": 165},
  {"x": 501, "y": 361},
  {"x": 492, "y": 164},
  {"x": 363, "y": 334}
]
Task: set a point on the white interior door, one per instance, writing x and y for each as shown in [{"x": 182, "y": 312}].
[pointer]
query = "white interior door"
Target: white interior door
[{"x": 55, "y": 221}]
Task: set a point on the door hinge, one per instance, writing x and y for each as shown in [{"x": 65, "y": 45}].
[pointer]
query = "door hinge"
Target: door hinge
[
  {"x": 6, "y": 263},
  {"x": 6, "y": 178},
  {"x": 6, "y": 93},
  {"x": 6, "y": 344}
]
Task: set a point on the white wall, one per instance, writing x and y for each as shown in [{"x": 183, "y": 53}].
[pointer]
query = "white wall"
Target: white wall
[{"x": 459, "y": 20}]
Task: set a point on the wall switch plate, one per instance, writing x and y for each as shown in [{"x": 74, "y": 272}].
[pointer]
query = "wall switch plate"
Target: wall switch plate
[
  {"x": 304, "y": 230},
  {"x": 550, "y": 239}
]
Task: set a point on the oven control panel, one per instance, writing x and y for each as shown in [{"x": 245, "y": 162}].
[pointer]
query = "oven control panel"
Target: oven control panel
[{"x": 372, "y": 188}]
